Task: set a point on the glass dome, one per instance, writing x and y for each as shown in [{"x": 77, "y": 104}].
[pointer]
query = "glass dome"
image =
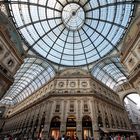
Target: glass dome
[{"x": 71, "y": 32}]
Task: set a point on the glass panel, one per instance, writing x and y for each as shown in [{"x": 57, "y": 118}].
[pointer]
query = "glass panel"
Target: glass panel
[
  {"x": 72, "y": 27},
  {"x": 33, "y": 74},
  {"x": 110, "y": 72}
]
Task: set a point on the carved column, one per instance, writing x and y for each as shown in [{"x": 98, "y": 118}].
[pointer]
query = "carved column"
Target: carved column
[
  {"x": 45, "y": 134},
  {"x": 79, "y": 120},
  {"x": 95, "y": 121},
  {"x": 63, "y": 120}
]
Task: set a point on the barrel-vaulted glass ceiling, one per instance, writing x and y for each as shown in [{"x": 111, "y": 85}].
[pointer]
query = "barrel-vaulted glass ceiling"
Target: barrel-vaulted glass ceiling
[
  {"x": 71, "y": 32},
  {"x": 110, "y": 71},
  {"x": 33, "y": 74}
]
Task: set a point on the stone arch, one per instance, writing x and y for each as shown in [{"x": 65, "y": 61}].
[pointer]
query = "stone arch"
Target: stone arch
[
  {"x": 129, "y": 94},
  {"x": 123, "y": 94}
]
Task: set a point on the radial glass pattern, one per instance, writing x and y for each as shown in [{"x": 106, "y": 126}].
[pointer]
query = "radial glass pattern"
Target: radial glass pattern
[{"x": 71, "y": 32}]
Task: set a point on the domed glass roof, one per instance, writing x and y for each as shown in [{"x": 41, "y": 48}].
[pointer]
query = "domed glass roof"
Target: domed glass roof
[
  {"x": 71, "y": 32},
  {"x": 32, "y": 75},
  {"x": 110, "y": 72}
]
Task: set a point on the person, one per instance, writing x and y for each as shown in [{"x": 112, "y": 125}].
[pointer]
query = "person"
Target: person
[
  {"x": 63, "y": 137},
  {"x": 127, "y": 137},
  {"x": 119, "y": 137},
  {"x": 116, "y": 137},
  {"x": 10, "y": 138},
  {"x": 6, "y": 138},
  {"x": 111, "y": 137},
  {"x": 68, "y": 138}
]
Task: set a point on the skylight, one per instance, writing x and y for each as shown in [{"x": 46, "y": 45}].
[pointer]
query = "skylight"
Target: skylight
[
  {"x": 71, "y": 32},
  {"x": 110, "y": 72},
  {"x": 32, "y": 75}
]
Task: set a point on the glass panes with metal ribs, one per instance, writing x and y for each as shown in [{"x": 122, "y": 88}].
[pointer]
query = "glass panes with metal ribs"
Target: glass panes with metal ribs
[
  {"x": 110, "y": 71},
  {"x": 33, "y": 74},
  {"x": 71, "y": 32}
]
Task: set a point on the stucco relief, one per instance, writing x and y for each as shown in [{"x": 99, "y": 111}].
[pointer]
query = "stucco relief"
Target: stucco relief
[
  {"x": 61, "y": 84},
  {"x": 74, "y": 73}
]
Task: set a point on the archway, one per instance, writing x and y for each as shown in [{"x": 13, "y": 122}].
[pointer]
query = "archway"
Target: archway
[
  {"x": 55, "y": 127},
  {"x": 129, "y": 95},
  {"x": 132, "y": 105},
  {"x": 87, "y": 127},
  {"x": 124, "y": 93},
  {"x": 71, "y": 126}
]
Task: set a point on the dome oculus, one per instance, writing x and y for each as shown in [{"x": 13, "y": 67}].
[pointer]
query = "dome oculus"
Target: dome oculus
[{"x": 73, "y": 16}]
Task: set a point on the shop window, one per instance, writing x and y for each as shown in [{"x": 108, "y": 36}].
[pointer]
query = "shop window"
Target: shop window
[
  {"x": 87, "y": 127},
  {"x": 57, "y": 109}
]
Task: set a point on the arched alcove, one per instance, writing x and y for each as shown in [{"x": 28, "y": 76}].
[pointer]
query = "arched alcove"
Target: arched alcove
[
  {"x": 131, "y": 103},
  {"x": 55, "y": 127}
]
